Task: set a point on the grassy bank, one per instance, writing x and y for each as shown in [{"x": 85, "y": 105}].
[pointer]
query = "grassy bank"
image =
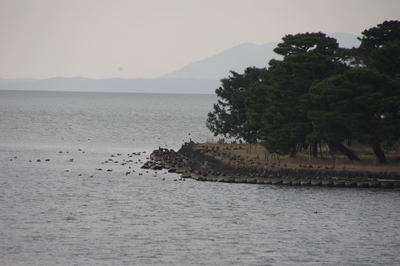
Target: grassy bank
[{"x": 246, "y": 155}]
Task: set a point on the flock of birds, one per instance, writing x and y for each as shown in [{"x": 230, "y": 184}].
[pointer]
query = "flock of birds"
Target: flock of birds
[{"x": 114, "y": 162}]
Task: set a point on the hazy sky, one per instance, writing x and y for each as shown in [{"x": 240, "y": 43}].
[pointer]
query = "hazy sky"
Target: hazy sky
[{"x": 149, "y": 38}]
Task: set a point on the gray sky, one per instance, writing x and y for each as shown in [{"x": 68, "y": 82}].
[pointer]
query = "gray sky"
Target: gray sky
[{"x": 149, "y": 38}]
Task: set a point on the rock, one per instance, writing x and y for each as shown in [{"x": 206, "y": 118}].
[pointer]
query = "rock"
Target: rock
[
  {"x": 374, "y": 184},
  {"x": 287, "y": 182},
  {"x": 296, "y": 182},
  {"x": 276, "y": 181},
  {"x": 350, "y": 183},
  {"x": 186, "y": 175},
  {"x": 387, "y": 184},
  {"x": 157, "y": 167},
  {"x": 260, "y": 180},
  {"x": 268, "y": 181},
  {"x": 240, "y": 180},
  {"x": 316, "y": 182},
  {"x": 327, "y": 183},
  {"x": 252, "y": 180},
  {"x": 362, "y": 184},
  {"x": 396, "y": 184},
  {"x": 338, "y": 183}
]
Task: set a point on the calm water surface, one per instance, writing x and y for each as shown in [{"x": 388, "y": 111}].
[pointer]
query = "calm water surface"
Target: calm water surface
[{"x": 58, "y": 212}]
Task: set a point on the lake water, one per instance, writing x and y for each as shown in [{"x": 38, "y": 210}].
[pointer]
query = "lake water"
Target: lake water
[{"x": 59, "y": 211}]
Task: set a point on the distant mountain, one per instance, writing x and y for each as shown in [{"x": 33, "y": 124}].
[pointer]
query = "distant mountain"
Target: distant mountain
[
  {"x": 199, "y": 77},
  {"x": 240, "y": 57},
  {"x": 237, "y": 59},
  {"x": 166, "y": 85},
  {"x": 345, "y": 40}
]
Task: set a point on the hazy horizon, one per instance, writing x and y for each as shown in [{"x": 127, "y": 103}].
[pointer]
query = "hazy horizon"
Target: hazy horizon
[{"x": 148, "y": 39}]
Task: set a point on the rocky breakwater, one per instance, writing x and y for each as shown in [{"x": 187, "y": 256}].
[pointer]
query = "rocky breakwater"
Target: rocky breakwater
[{"x": 193, "y": 162}]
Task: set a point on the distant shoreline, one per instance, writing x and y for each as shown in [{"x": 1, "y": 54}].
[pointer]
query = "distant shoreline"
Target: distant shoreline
[{"x": 162, "y": 85}]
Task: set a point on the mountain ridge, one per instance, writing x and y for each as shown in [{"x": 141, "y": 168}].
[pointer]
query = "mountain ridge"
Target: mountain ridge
[
  {"x": 244, "y": 55},
  {"x": 202, "y": 76},
  {"x": 236, "y": 58}
]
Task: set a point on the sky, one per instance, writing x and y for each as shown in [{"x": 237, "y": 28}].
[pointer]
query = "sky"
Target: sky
[{"x": 149, "y": 38}]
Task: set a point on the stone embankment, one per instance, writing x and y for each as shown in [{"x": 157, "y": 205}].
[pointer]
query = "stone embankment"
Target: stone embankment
[{"x": 193, "y": 163}]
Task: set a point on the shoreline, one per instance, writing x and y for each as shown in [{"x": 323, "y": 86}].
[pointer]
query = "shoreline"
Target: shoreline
[{"x": 192, "y": 162}]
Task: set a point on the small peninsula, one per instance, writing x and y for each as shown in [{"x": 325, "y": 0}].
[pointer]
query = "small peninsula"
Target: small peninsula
[{"x": 241, "y": 163}]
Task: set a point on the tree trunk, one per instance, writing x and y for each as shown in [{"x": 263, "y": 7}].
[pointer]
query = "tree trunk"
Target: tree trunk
[
  {"x": 320, "y": 150},
  {"x": 350, "y": 142},
  {"x": 337, "y": 146},
  {"x": 379, "y": 153},
  {"x": 315, "y": 150},
  {"x": 293, "y": 151}
]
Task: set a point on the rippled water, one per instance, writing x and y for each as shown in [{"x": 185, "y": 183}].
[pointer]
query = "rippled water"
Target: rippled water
[{"x": 61, "y": 212}]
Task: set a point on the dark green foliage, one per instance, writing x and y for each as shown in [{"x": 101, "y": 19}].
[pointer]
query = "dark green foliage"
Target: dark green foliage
[
  {"x": 306, "y": 42},
  {"x": 239, "y": 109},
  {"x": 375, "y": 37},
  {"x": 360, "y": 104},
  {"x": 318, "y": 92},
  {"x": 308, "y": 58},
  {"x": 387, "y": 59}
]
